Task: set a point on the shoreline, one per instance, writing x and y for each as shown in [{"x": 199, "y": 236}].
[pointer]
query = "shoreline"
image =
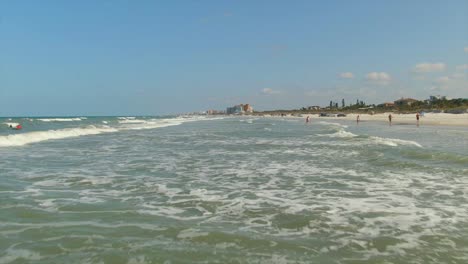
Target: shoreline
[
  {"x": 440, "y": 119},
  {"x": 431, "y": 119}
]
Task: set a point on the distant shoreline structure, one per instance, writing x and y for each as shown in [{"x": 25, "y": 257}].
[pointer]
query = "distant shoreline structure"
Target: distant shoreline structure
[{"x": 435, "y": 104}]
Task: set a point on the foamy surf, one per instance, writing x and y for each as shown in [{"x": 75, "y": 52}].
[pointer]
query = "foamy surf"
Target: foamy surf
[
  {"x": 38, "y": 136},
  {"x": 393, "y": 142},
  {"x": 74, "y": 119},
  {"x": 332, "y": 124},
  {"x": 126, "y": 123},
  {"x": 340, "y": 134},
  {"x": 154, "y": 124},
  {"x": 12, "y": 124},
  {"x": 131, "y": 121},
  {"x": 229, "y": 185}
]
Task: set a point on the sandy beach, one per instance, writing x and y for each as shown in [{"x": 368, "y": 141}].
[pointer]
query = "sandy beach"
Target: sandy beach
[{"x": 407, "y": 119}]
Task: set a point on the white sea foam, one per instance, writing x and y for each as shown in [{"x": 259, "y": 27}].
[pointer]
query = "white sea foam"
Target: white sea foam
[
  {"x": 394, "y": 142},
  {"x": 332, "y": 124},
  {"x": 14, "y": 254},
  {"x": 38, "y": 136},
  {"x": 60, "y": 119},
  {"x": 265, "y": 197},
  {"x": 131, "y": 121},
  {"x": 340, "y": 134},
  {"x": 154, "y": 124},
  {"x": 191, "y": 233},
  {"x": 11, "y": 124}
]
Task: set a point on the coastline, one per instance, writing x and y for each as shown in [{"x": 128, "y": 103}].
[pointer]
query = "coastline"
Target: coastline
[{"x": 432, "y": 119}]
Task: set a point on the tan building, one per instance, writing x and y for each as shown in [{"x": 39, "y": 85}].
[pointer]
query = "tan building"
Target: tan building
[
  {"x": 239, "y": 109},
  {"x": 388, "y": 104},
  {"x": 247, "y": 108}
]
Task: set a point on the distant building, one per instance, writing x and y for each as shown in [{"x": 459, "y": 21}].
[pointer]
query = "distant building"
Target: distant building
[
  {"x": 239, "y": 109},
  {"x": 248, "y": 108},
  {"x": 213, "y": 112},
  {"x": 405, "y": 102}
]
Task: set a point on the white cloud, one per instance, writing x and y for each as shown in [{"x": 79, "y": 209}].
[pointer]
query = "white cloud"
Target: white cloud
[
  {"x": 379, "y": 77},
  {"x": 462, "y": 67},
  {"x": 429, "y": 67},
  {"x": 458, "y": 75},
  {"x": 466, "y": 49},
  {"x": 443, "y": 79},
  {"x": 269, "y": 91},
  {"x": 455, "y": 84},
  {"x": 347, "y": 75}
]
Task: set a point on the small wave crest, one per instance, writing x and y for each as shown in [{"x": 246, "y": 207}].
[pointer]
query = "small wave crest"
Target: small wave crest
[
  {"x": 38, "y": 136},
  {"x": 154, "y": 123},
  {"x": 74, "y": 119},
  {"x": 11, "y": 124},
  {"x": 131, "y": 121},
  {"x": 393, "y": 142},
  {"x": 332, "y": 124},
  {"x": 340, "y": 134}
]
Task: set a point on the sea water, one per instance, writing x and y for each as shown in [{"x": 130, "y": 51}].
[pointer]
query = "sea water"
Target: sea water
[{"x": 231, "y": 190}]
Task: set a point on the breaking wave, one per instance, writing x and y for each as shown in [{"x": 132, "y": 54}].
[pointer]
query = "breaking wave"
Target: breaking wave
[
  {"x": 393, "y": 142},
  {"x": 74, "y": 119},
  {"x": 131, "y": 121},
  {"x": 332, "y": 124},
  {"x": 38, "y": 136},
  {"x": 11, "y": 124},
  {"x": 340, "y": 134}
]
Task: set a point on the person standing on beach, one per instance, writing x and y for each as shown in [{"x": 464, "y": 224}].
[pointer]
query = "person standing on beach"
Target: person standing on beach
[
  {"x": 390, "y": 119},
  {"x": 417, "y": 119},
  {"x": 308, "y": 119},
  {"x": 358, "y": 119}
]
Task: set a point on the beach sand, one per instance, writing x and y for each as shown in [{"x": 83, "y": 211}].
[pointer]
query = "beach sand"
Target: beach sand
[{"x": 406, "y": 119}]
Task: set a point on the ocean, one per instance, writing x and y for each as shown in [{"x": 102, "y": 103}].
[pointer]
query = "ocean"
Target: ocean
[{"x": 231, "y": 190}]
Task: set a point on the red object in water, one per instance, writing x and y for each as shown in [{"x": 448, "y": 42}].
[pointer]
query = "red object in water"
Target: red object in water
[{"x": 18, "y": 127}]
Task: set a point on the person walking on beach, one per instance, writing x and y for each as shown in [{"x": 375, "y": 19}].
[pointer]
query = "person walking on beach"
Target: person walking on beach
[
  {"x": 390, "y": 119},
  {"x": 417, "y": 119},
  {"x": 308, "y": 119},
  {"x": 358, "y": 119}
]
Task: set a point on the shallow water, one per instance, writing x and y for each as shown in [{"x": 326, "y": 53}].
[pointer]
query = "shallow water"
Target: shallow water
[{"x": 232, "y": 190}]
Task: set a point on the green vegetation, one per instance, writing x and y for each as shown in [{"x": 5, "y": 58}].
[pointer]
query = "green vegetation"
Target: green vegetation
[{"x": 458, "y": 105}]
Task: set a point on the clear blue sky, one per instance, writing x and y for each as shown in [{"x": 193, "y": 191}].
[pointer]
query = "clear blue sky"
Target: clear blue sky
[{"x": 161, "y": 57}]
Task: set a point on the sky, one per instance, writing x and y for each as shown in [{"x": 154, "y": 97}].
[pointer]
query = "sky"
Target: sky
[{"x": 66, "y": 58}]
